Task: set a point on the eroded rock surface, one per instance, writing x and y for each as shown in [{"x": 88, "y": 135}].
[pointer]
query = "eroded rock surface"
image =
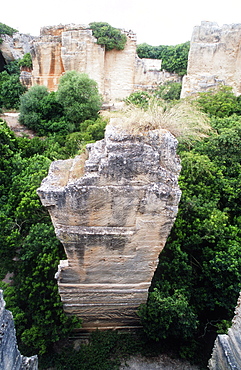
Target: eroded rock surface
[
  {"x": 118, "y": 73},
  {"x": 227, "y": 347},
  {"x": 10, "y": 357},
  {"x": 113, "y": 213},
  {"x": 214, "y": 58}
]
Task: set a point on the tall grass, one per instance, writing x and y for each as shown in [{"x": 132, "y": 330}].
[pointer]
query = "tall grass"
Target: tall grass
[{"x": 183, "y": 119}]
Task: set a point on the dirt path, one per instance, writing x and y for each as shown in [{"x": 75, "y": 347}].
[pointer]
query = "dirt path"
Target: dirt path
[{"x": 12, "y": 121}]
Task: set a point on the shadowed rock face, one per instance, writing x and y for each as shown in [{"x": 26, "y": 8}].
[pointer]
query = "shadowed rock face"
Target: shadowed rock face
[
  {"x": 10, "y": 357},
  {"x": 227, "y": 347},
  {"x": 113, "y": 213}
]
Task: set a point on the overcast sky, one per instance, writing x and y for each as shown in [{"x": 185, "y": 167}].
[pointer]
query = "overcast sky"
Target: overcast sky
[{"x": 155, "y": 22}]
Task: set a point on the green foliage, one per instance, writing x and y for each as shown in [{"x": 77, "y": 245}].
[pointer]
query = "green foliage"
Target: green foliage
[
  {"x": 93, "y": 130},
  {"x": 6, "y": 30},
  {"x": 169, "y": 91},
  {"x": 204, "y": 246},
  {"x": 221, "y": 103},
  {"x": 26, "y": 61},
  {"x": 104, "y": 351},
  {"x": 46, "y": 322},
  {"x": 174, "y": 58},
  {"x": 28, "y": 246},
  {"x": 11, "y": 90},
  {"x": 12, "y": 68},
  {"x": 106, "y": 35},
  {"x": 30, "y": 107},
  {"x": 79, "y": 96},
  {"x": 168, "y": 316},
  {"x": 10, "y": 86},
  {"x": 139, "y": 98}
]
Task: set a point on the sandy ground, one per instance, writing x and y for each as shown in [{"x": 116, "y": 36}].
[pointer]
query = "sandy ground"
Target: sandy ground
[{"x": 12, "y": 121}]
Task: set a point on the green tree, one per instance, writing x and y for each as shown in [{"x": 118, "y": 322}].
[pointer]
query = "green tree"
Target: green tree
[
  {"x": 79, "y": 96},
  {"x": 204, "y": 244},
  {"x": 30, "y": 107},
  {"x": 6, "y": 30},
  {"x": 26, "y": 61},
  {"x": 174, "y": 58},
  {"x": 11, "y": 91},
  {"x": 220, "y": 103},
  {"x": 169, "y": 91},
  {"x": 110, "y": 37}
]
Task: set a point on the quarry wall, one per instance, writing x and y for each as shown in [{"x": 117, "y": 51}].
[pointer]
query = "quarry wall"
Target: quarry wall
[
  {"x": 214, "y": 59},
  {"x": 62, "y": 48}
]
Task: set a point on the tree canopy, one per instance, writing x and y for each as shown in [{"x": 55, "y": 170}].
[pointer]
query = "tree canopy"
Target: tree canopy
[
  {"x": 174, "y": 58},
  {"x": 110, "y": 37}
]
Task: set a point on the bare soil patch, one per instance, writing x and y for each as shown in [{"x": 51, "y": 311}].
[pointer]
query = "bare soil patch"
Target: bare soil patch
[{"x": 14, "y": 125}]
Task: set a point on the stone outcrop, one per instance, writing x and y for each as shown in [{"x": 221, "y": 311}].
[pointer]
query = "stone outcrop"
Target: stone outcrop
[
  {"x": 227, "y": 347},
  {"x": 214, "y": 58},
  {"x": 118, "y": 73},
  {"x": 10, "y": 357},
  {"x": 113, "y": 212},
  {"x": 14, "y": 47}
]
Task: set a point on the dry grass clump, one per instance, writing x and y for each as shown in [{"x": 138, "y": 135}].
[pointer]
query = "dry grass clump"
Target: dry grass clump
[{"x": 183, "y": 119}]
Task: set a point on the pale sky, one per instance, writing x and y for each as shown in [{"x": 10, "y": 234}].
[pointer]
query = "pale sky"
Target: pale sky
[{"x": 155, "y": 22}]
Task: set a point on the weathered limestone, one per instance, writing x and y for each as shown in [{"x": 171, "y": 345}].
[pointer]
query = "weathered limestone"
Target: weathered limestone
[
  {"x": 15, "y": 47},
  {"x": 113, "y": 213},
  {"x": 10, "y": 357},
  {"x": 227, "y": 347},
  {"x": 118, "y": 73},
  {"x": 214, "y": 58}
]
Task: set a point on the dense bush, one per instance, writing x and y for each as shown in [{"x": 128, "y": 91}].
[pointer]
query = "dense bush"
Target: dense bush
[
  {"x": 106, "y": 35},
  {"x": 169, "y": 91},
  {"x": 28, "y": 246},
  {"x": 79, "y": 96},
  {"x": 76, "y": 101},
  {"x": 174, "y": 58},
  {"x": 10, "y": 87},
  {"x": 220, "y": 103},
  {"x": 26, "y": 61},
  {"x": 202, "y": 256},
  {"x": 6, "y": 30}
]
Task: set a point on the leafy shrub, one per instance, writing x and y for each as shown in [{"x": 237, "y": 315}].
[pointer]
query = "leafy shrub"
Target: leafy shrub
[
  {"x": 11, "y": 90},
  {"x": 139, "y": 98},
  {"x": 79, "y": 96},
  {"x": 168, "y": 315},
  {"x": 106, "y": 35},
  {"x": 174, "y": 58},
  {"x": 26, "y": 61},
  {"x": 6, "y": 30},
  {"x": 169, "y": 91},
  {"x": 221, "y": 103}
]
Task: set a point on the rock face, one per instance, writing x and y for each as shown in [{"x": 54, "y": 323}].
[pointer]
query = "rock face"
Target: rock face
[
  {"x": 113, "y": 213},
  {"x": 10, "y": 357},
  {"x": 13, "y": 48},
  {"x": 118, "y": 73},
  {"x": 227, "y": 347},
  {"x": 214, "y": 58}
]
